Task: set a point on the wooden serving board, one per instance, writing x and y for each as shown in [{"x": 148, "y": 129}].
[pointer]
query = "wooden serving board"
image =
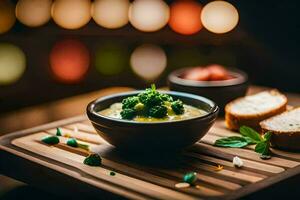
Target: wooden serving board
[{"x": 138, "y": 178}]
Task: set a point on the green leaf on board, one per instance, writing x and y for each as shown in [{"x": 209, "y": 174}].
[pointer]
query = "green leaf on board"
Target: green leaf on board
[
  {"x": 264, "y": 147},
  {"x": 232, "y": 141},
  {"x": 249, "y": 132}
]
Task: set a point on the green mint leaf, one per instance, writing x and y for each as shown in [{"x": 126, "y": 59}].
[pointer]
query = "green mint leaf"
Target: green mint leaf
[
  {"x": 250, "y": 141},
  {"x": 261, "y": 147},
  {"x": 233, "y": 141},
  {"x": 264, "y": 147},
  {"x": 249, "y": 132},
  {"x": 267, "y": 136}
]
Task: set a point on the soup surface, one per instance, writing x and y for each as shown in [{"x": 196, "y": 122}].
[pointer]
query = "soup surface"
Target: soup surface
[{"x": 190, "y": 112}]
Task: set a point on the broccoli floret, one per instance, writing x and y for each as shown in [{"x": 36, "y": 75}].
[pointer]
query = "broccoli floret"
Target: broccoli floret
[
  {"x": 130, "y": 102},
  {"x": 128, "y": 113},
  {"x": 166, "y": 97},
  {"x": 158, "y": 111},
  {"x": 177, "y": 107},
  {"x": 150, "y": 97},
  {"x": 150, "y": 103}
]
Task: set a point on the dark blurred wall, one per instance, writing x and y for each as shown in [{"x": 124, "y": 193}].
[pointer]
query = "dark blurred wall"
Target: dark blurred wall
[{"x": 274, "y": 27}]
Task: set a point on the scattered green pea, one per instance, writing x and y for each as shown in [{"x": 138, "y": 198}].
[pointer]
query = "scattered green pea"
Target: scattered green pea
[
  {"x": 190, "y": 178},
  {"x": 92, "y": 160},
  {"x": 58, "y": 132},
  {"x": 51, "y": 140},
  {"x": 112, "y": 173},
  {"x": 73, "y": 143}
]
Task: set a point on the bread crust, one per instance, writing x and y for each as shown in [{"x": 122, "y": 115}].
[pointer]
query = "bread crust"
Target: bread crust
[
  {"x": 235, "y": 121},
  {"x": 286, "y": 140}
]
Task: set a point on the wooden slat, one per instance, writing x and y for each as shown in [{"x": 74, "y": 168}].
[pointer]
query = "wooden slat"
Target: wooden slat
[
  {"x": 250, "y": 155},
  {"x": 225, "y": 172},
  {"x": 247, "y": 163},
  {"x": 145, "y": 174},
  {"x": 228, "y": 165},
  {"x": 76, "y": 160},
  {"x": 82, "y": 127},
  {"x": 202, "y": 172},
  {"x": 91, "y": 138},
  {"x": 159, "y": 180},
  {"x": 204, "y": 191},
  {"x": 209, "y": 179}
]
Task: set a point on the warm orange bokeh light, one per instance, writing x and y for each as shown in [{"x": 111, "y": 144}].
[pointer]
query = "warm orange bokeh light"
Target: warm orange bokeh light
[
  {"x": 185, "y": 17},
  {"x": 7, "y": 15},
  {"x": 69, "y": 61}
]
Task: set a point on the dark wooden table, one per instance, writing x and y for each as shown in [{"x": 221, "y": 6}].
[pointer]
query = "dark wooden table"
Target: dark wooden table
[{"x": 42, "y": 114}]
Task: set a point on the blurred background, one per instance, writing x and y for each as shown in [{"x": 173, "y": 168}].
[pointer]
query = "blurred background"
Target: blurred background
[{"x": 55, "y": 49}]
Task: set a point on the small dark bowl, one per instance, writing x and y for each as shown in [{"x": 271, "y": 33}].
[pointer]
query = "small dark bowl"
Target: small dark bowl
[
  {"x": 221, "y": 92},
  {"x": 151, "y": 136}
]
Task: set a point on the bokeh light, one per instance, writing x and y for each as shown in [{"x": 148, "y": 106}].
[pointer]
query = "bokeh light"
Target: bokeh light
[
  {"x": 33, "y": 13},
  {"x": 12, "y": 63},
  {"x": 110, "y": 13},
  {"x": 219, "y": 17},
  {"x": 71, "y": 14},
  {"x": 149, "y": 15},
  {"x": 69, "y": 61},
  {"x": 185, "y": 17},
  {"x": 148, "y": 61},
  {"x": 7, "y": 15},
  {"x": 111, "y": 59}
]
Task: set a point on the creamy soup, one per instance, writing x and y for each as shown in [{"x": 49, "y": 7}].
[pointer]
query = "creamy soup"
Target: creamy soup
[{"x": 190, "y": 112}]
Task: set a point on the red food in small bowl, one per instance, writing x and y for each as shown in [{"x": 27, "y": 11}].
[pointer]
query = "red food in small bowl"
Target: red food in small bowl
[
  {"x": 210, "y": 73},
  {"x": 214, "y": 82},
  {"x": 217, "y": 72},
  {"x": 198, "y": 74}
]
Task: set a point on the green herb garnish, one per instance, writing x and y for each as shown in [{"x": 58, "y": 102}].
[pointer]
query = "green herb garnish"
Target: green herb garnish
[
  {"x": 232, "y": 141},
  {"x": 263, "y": 147},
  {"x": 190, "y": 178},
  {"x": 58, "y": 132},
  {"x": 74, "y": 143},
  {"x": 250, "y": 133},
  {"x": 51, "y": 140},
  {"x": 150, "y": 103},
  {"x": 92, "y": 160},
  {"x": 249, "y": 136},
  {"x": 112, "y": 173}
]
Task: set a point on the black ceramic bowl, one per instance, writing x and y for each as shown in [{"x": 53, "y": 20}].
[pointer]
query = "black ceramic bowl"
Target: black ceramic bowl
[
  {"x": 151, "y": 136},
  {"x": 221, "y": 92}
]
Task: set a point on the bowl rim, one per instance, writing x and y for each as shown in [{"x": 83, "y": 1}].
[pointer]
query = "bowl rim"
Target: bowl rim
[
  {"x": 241, "y": 77},
  {"x": 92, "y": 113}
]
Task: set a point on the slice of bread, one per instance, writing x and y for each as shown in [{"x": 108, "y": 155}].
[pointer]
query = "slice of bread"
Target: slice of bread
[
  {"x": 253, "y": 109},
  {"x": 285, "y": 128}
]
